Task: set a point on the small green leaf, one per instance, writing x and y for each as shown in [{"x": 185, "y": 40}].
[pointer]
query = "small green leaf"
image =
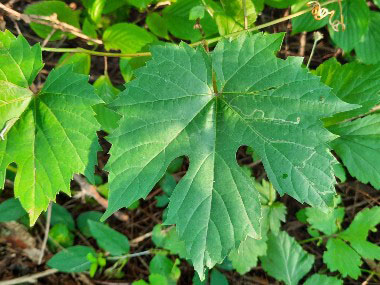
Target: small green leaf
[
  {"x": 367, "y": 50},
  {"x": 320, "y": 279},
  {"x": 106, "y": 117},
  {"x": 11, "y": 210},
  {"x": 157, "y": 25},
  {"x": 197, "y": 12},
  {"x": 82, "y": 221},
  {"x": 48, "y": 8},
  {"x": 162, "y": 266},
  {"x": 81, "y": 62},
  {"x": 72, "y": 259},
  {"x": 358, "y": 231},
  {"x": 358, "y": 145},
  {"x": 217, "y": 278},
  {"x": 276, "y": 215},
  {"x": 341, "y": 257},
  {"x": 140, "y": 4},
  {"x": 59, "y": 215},
  {"x": 340, "y": 172},
  {"x": 168, "y": 239},
  {"x": 328, "y": 223},
  {"x": 108, "y": 239},
  {"x": 126, "y": 37},
  {"x": 61, "y": 235},
  {"x": 285, "y": 259},
  {"x": 245, "y": 257}
]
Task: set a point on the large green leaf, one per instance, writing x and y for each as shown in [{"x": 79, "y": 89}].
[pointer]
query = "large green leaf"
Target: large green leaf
[
  {"x": 174, "y": 109},
  {"x": 48, "y": 8},
  {"x": 359, "y": 147},
  {"x": 340, "y": 256},
  {"x": 367, "y": 50},
  {"x": 354, "y": 83},
  {"x": 285, "y": 259},
  {"x": 50, "y": 135},
  {"x": 356, "y": 14}
]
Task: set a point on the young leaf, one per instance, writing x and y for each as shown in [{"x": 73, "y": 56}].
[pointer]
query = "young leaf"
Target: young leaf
[
  {"x": 48, "y": 8},
  {"x": 325, "y": 222},
  {"x": 354, "y": 83},
  {"x": 245, "y": 257},
  {"x": 367, "y": 50},
  {"x": 59, "y": 215},
  {"x": 357, "y": 233},
  {"x": 340, "y": 256},
  {"x": 11, "y": 210},
  {"x": 162, "y": 266},
  {"x": 108, "y": 239},
  {"x": 258, "y": 100},
  {"x": 82, "y": 221},
  {"x": 106, "y": 117},
  {"x": 60, "y": 234},
  {"x": 45, "y": 131},
  {"x": 285, "y": 259},
  {"x": 358, "y": 146},
  {"x": 356, "y": 15},
  {"x": 72, "y": 259},
  {"x": 320, "y": 279},
  {"x": 168, "y": 239}
]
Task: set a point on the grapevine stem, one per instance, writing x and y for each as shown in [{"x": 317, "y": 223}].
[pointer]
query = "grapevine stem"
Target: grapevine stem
[
  {"x": 315, "y": 238},
  {"x": 208, "y": 42}
]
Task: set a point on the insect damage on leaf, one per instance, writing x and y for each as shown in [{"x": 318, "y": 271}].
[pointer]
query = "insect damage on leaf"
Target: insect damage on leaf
[{"x": 267, "y": 103}]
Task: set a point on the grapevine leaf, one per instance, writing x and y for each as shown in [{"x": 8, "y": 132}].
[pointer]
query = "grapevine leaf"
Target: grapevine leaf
[
  {"x": 55, "y": 126},
  {"x": 357, "y": 233},
  {"x": 367, "y": 50},
  {"x": 258, "y": 100},
  {"x": 358, "y": 146},
  {"x": 72, "y": 259},
  {"x": 323, "y": 279},
  {"x": 354, "y": 83},
  {"x": 356, "y": 15},
  {"x": 325, "y": 222},
  {"x": 276, "y": 215},
  {"x": 341, "y": 257},
  {"x": 48, "y": 8},
  {"x": 285, "y": 259}
]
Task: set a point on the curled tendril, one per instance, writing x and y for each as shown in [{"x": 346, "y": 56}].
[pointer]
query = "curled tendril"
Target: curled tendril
[{"x": 320, "y": 13}]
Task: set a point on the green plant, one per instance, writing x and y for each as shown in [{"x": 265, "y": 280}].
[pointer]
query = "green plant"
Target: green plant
[{"x": 202, "y": 100}]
